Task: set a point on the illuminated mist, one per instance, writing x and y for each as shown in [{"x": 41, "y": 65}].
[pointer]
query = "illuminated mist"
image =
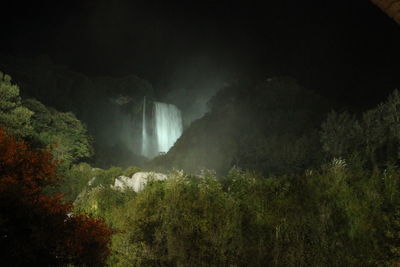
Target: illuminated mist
[
  {"x": 167, "y": 128},
  {"x": 168, "y": 125}
]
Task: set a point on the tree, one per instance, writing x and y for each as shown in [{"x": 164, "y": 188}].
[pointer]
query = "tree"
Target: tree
[
  {"x": 12, "y": 113},
  {"x": 340, "y": 134},
  {"x": 44, "y": 126},
  {"x": 182, "y": 221},
  {"x": 62, "y": 129},
  {"x": 38, "y": 229},
  {"x": 266, "y": 126},
  {"x": 374, "y": 137}
]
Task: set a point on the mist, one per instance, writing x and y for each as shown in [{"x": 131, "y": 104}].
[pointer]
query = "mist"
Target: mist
[{"x": 193, "y": 83}]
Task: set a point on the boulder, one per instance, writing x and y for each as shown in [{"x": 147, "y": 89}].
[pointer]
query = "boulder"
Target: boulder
[{"x": 138, "y": 181}]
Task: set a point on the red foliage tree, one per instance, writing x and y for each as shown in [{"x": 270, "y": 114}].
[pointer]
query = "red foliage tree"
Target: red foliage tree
[{"x": 40, "y": 230}]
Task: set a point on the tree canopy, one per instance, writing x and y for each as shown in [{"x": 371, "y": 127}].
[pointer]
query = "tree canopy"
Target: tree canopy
[
  {"x": 12, "y": 113},
  {"x": 43, "y": 126},
  {"x": 37, "y": 229}
]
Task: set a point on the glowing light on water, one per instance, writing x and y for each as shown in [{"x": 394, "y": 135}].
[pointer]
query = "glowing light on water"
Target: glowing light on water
[
  {"x": 167, "y": 128},
  {"x": 145, "y": 141},
  {"x": 168, "y": 125}
]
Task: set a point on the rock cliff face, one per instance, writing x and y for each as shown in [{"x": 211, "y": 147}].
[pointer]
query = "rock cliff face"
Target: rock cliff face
[
  {"x": 138, "y": 181},
  {"x": 390, "y": 7}
]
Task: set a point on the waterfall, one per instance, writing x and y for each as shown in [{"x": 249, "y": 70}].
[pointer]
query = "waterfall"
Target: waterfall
[
  {"x": 145, "y": 139},
  {"x": 166, "y": 129},
  {"x": 168, "y": 125}
]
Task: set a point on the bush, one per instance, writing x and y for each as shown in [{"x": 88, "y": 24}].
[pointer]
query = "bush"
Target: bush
[
  {"x": 38, "y": 229},
  {"x": 335, "y": 216}
]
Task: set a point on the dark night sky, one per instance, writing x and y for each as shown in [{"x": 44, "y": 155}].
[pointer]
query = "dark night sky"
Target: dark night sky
[{"x": 348, "y": 49}]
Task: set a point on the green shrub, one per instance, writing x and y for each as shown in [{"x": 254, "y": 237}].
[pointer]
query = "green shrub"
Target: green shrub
[{"x": 336, "y": 216}]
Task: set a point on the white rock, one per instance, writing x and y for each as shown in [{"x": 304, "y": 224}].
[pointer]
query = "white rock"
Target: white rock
[
  {"x": 138, "y": 181},
  {"x": 90, "y": 183}
]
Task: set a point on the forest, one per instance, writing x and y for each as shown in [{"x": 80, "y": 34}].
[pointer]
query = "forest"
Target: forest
[
  {"x": 169, "y": 133},
  {"x": 276, "y": 180}
]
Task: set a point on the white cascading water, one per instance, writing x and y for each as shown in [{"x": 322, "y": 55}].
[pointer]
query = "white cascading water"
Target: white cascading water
[
  {"x": 167, "y": 129},
  {"x": 168, "y": 125},
  {"x": 145, "y": 141}
]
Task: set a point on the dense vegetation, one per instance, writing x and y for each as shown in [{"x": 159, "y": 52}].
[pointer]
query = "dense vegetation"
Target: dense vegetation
[
  {"x": 43, "y": 126},
  {"x": 36, "y": 228},
  {"x": 340, "y": 210},
  {"x": 294, "y": 185},
  {"x": 331, "y": 217},
  {"x": 106, "y": 105},
  {"x": 268, "y": 127}
]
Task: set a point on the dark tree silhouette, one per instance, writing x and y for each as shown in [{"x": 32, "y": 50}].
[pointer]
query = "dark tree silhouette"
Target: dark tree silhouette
[{"x": 37, "y": 229}]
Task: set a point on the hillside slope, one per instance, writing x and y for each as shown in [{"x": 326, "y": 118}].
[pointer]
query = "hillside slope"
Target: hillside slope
[{"x": 270, "y": 127}]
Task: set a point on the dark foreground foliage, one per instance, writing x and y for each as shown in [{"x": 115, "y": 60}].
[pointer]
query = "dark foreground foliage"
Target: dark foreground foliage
[{"x": 37, "y": 229}]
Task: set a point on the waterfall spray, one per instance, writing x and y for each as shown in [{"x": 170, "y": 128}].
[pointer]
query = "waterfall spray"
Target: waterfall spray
[
  {"x": 166, "y": 128},
  {"x": 145, "y": 139},
  {"x": 168, "y": 125}
]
